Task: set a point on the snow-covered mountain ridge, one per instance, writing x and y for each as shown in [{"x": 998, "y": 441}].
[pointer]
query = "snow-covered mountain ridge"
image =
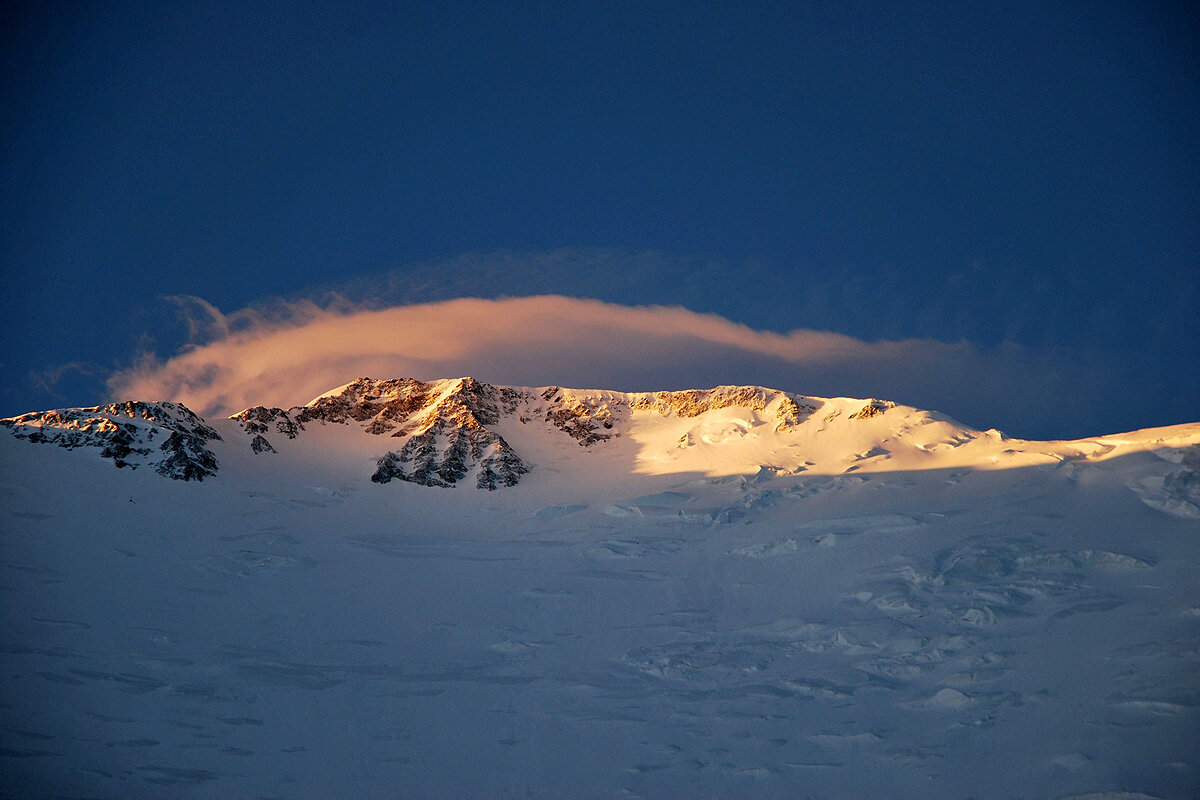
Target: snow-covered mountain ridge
[
  {"x": 129, "y": 434},
  {"x": 446, "y": 432},
  {"x": 447, "y": 428},
  {"x": 450, "y": 432},
  {"x": 444, "y": 428}
]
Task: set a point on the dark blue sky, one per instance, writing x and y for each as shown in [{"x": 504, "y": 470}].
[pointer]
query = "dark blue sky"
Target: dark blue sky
[{"x": 1021, "y": 172}]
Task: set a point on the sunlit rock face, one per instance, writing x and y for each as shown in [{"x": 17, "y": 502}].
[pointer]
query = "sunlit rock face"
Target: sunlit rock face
[
  {"x": 167, "y": 437},
  {"x": 442, "y": 428},
  {"x": 447, "y": 431}
]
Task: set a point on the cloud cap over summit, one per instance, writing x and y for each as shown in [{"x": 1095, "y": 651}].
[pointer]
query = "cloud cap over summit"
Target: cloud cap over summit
[{"x": 289, "y": 352}]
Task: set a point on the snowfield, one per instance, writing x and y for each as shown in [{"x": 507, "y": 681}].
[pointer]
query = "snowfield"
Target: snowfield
[{"x": 450, "y": 589}]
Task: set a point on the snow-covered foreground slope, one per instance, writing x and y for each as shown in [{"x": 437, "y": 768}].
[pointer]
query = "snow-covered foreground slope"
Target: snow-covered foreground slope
[{"x": 731, "y": 593}]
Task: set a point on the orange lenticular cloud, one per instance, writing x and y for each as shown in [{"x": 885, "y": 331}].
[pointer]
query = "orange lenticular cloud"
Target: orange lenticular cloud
[{"x": 294, "y": 351}]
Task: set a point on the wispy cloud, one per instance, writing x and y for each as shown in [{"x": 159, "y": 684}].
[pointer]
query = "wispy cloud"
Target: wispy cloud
[
  {"x": 49, "y": 378},
  {"x": 286, "y": 353}
]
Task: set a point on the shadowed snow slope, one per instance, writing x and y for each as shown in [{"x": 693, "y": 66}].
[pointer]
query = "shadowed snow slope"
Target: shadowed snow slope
[{"x": 732, "y": 592}]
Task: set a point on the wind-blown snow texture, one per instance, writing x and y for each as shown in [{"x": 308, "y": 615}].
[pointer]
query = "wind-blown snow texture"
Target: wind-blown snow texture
[{"x": 734, "y": 592}]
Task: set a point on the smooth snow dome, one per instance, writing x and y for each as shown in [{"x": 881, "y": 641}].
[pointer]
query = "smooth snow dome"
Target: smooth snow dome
[{"x": 455, "y": 589}]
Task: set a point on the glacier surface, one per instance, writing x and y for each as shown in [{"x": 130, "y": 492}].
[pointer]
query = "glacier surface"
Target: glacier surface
[{"x": 734, "y": 592}]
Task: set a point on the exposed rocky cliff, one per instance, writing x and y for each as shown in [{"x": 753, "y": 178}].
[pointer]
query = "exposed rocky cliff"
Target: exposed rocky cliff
[
  {"x": 166, "y": 436},
  {"x": 442, "y": 428}
]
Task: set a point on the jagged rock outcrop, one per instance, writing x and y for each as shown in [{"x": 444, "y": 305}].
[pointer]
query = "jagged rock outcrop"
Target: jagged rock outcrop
[
  {"x": 260, "y": 419},
  {"x": 446, "y": 437},
  {"x": 694, "y": 402},
  {"x": 584, "y": 419},
  {"x": 590, "y": 417},
  {"x": 398, "y": 407},
  {"x": 873, "y": 408},
  {"x": 443, "y": 427},
  {"x": 186, "y": 458},
  {"x": 259, "y": 444},
  {"x": 128, "y": 433},
  {"x": 426, "y": 461}
]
